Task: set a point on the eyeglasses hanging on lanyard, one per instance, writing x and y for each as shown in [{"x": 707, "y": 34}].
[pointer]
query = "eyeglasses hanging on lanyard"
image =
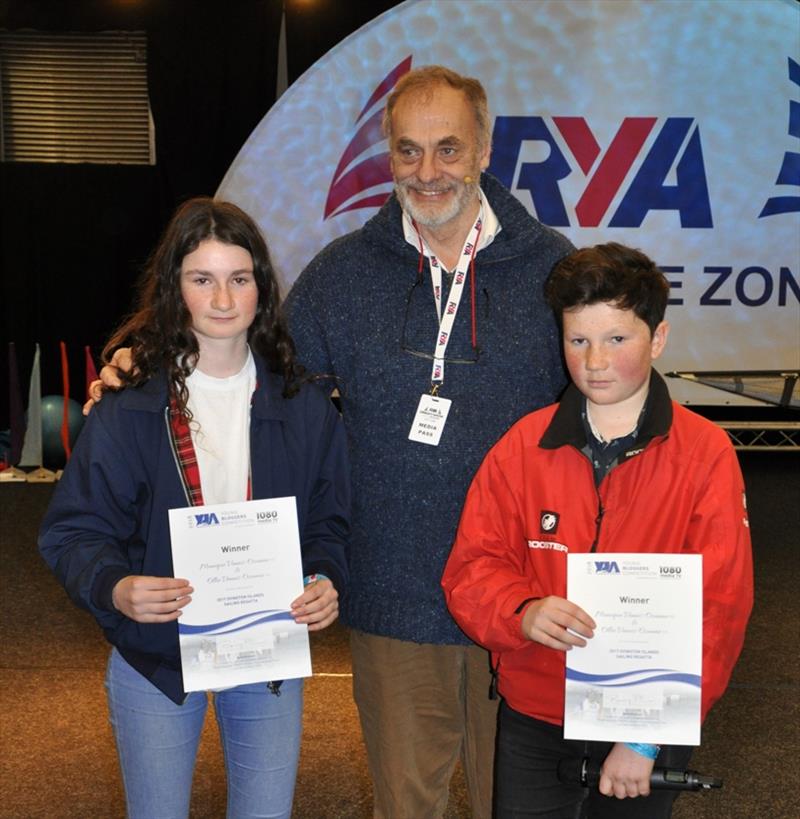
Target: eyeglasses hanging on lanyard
[{"x": 447, "y": 310}]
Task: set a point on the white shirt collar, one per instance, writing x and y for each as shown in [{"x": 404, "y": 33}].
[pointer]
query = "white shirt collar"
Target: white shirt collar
[{"x": 209, "y": 382}]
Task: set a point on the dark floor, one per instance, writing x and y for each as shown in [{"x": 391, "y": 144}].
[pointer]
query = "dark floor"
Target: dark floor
[{"x": 57, "y": 756}]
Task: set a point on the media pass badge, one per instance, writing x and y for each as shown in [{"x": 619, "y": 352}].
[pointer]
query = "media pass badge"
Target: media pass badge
[{"x": 430, "y": 419}]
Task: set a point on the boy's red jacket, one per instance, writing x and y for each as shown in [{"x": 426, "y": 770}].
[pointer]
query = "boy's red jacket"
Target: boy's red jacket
[{"x": 533, "y": 500}]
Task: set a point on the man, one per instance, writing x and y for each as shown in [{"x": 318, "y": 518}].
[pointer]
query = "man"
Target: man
[{"x": 434, "y": 308}]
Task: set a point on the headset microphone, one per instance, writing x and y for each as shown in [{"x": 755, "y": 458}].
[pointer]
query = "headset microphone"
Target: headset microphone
[{"x": 468, "y": 180}]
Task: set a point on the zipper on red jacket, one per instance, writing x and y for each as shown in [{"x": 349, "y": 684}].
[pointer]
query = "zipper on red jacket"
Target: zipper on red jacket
[{"x": 598, "y": 522}]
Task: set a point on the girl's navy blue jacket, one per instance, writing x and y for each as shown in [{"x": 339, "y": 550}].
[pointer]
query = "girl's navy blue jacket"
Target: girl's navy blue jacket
[{"x": 108, "y": 516}]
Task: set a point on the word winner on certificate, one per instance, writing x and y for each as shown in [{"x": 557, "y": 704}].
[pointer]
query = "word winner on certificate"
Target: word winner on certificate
[
  {"x": 638, "y": 679},
  {"x": 243, "y": 560}
]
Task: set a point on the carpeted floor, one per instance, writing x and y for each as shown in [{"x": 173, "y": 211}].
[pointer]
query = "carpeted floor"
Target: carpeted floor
[{"x": 57, "y": 757}]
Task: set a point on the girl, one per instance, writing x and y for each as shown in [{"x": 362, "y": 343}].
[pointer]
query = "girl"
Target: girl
[{"x": 216, "y": 411}]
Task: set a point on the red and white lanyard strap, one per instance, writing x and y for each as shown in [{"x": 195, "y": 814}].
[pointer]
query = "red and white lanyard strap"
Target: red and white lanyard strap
[{"x": 447, "y": 316}]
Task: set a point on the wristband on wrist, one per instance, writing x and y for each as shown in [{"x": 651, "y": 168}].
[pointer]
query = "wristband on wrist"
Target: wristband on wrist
[
  {"x": 312, "y": 578},
  {"x": 650, "y": 751}
]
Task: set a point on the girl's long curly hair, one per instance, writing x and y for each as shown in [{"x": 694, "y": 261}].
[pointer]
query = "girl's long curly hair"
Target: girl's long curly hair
[{"x": 159, "y": 330}]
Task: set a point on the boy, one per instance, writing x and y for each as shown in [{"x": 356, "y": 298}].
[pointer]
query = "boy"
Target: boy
[{"x": 614, "y": 467}]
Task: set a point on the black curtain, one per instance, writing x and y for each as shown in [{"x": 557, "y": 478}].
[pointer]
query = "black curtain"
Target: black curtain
[{"x": 73, "y": 237}]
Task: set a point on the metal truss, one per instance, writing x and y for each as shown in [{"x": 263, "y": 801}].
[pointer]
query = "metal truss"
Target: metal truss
[
  {"x": 776, "y": 387},
  {"x": 763, "y": 435}
]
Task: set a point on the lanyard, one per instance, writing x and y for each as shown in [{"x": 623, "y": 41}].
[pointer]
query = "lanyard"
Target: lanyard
[{"x": 447, "y": 316}]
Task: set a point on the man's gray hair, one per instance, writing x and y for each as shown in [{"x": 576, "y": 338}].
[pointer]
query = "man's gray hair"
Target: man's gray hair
[{"x": 425, "y": 80}]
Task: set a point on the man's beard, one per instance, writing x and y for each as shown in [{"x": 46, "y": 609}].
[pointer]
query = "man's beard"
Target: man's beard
[{"x": 436, "y": 214}]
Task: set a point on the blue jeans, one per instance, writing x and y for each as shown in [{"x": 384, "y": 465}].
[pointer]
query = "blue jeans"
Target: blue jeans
[{"x": 157, "y": 743}]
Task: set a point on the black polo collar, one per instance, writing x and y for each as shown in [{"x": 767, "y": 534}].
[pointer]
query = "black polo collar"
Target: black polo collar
[{"x": 566, "y": 427}]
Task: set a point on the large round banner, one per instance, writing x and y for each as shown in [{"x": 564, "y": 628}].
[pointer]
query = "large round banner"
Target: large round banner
[{"x": 670, "y": 126}]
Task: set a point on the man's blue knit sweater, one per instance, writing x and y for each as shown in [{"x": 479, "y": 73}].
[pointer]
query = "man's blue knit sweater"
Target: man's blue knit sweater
[{"x": 362, "y": 313}]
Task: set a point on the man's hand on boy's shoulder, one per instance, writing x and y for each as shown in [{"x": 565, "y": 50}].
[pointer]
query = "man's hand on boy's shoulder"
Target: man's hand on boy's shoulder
[
  {"x": 557, "y": 623},
  {"x": 109, "y": 377}
]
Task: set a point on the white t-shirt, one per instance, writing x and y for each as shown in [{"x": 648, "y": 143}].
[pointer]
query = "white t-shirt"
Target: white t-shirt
[{"x": 220, "y": 429}]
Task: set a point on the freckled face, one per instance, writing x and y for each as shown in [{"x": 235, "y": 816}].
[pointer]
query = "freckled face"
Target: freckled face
[
  {"x": 219, "y": 290},
  {"x": 609, "y": 353},
  {"x": 434, "y": 145}
]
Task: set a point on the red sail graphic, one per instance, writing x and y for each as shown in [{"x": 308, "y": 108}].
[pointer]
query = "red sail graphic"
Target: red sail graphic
[{"x": 372, "y": 171}]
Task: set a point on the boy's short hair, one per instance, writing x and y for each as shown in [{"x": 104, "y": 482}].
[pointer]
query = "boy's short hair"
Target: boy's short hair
[{"x": 613, "y": 273}]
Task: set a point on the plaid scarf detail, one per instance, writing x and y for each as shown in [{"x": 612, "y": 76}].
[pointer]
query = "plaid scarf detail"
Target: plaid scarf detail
[
  {"x": 182, "y": 446},
  {"x": 185, "y": 457}
]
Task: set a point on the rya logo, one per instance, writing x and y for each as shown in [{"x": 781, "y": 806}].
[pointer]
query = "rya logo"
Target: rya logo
[
  {"x": 206, "y": 519},
  {"x": 675, "y": 149},
  {"x": 606, "y": 567},
  {"x": 548, "y": 522},
  {"x": 650, "y": 164}
]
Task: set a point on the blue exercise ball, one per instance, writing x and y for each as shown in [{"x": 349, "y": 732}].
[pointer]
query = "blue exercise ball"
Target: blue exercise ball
[{"x": 53, "y": 453}]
